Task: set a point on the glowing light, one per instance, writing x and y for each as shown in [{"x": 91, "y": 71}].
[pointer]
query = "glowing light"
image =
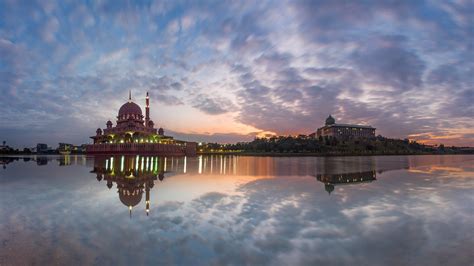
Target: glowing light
[
  {"x": 141, "y": 167},
  {"x": 200, "y": 164},
  {"x": 221, "y": 164},
  {"x": 136, "y": 162},
  {"x": 212, "y": 159},
  {"x": 165, "y": 165},
  {"x": 122, "y": 161},
  {"x": 224, "y": 164},
  {"x": 235, "y": 164},
  {"x": 107, "y": 164},
  {"x": 184, "y": 168}
]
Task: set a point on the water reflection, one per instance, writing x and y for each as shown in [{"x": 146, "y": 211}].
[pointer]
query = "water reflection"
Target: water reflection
[
  {"x": 228, "y": 210},
  {"x": 330, "y": 181},
  {"x": 132, "y": 175},
  {"x": 6, "y": 160}
]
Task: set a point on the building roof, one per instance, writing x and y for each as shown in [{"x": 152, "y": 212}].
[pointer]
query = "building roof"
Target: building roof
[
  {"x": 350, "y": 125},
  {"x": 130, "y": 108}
]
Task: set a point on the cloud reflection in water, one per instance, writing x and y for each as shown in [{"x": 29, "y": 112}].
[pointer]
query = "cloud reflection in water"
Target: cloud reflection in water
[{"x": 266, "y": 211}]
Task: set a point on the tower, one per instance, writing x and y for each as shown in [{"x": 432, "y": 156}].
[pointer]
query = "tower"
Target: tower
[{"x": 147, "y": 110}]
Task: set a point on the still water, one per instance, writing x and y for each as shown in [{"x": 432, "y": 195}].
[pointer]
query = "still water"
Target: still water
[{"x": 232, "y": 210}]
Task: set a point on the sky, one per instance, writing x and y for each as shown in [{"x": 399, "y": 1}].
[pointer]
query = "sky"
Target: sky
[{"x": 227, "y": 71}]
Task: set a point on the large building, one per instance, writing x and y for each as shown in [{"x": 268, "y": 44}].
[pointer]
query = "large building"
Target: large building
[
  {"x": 136, "y": 134},
  {"x": 344, "y": 131}
]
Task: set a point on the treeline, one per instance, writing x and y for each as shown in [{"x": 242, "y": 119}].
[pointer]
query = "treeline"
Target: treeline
[
  {"x": 331, "y": 146},
  {"x": 9, "y": 151}
]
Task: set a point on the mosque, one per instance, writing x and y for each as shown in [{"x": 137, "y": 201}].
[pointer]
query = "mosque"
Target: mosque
[{"x": 136, "y": 134}]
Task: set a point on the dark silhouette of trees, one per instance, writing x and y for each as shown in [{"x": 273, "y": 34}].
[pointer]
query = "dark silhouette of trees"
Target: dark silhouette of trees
[{"x": 302, "y": 144}]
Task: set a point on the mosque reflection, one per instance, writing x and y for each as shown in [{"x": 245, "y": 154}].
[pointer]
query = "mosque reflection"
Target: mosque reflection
[
  {"x": 132, "y": 175},
  {"x": 332, "y": 180}
]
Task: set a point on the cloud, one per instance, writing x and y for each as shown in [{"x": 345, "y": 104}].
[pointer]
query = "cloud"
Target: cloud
[
  {"x": 390, "y": 65},
  {"x": 405, "y": 68},
  {"x": 214, "y": 137},
  {"x": 212, "y": 106},
  {"x": 48, "y": 32}
]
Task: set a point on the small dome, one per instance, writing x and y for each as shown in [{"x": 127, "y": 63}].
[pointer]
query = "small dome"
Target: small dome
[
  {"x": 130, "y": 108},
  {"x": 109, "y": 122},
  {"x": 150, "y": 123},
  {"x": 161, "y": 131},
  {"x": 330, "y": 120}
]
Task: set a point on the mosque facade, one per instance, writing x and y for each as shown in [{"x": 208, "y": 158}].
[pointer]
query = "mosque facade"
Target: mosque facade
[
  {"x": 135, "y": 133},
  {"x": 344, "y": 131}
]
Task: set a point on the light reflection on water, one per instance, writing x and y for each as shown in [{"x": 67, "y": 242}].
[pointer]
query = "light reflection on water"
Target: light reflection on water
[{"x": 237, "y": 210}]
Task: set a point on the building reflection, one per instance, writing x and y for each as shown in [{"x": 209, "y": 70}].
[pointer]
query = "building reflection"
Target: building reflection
[
  {"x": 6, "y": 160},
  {"x": 132, "y": 175},
  {"x": 66, "y": 160},
  {"x": 332, "y": 180}
]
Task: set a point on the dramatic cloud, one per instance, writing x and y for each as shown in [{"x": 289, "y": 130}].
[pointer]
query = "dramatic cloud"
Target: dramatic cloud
[
  {"x": 212, "y": 106},
  {"x": 237, "y": 69}
]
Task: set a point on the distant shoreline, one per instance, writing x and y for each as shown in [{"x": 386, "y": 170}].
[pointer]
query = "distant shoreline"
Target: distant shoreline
[
  {"x": 312, "y": 154},
  {"x": 271, "y": 154}
]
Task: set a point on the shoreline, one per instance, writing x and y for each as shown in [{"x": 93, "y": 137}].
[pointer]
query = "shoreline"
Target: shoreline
[
  {"x": 277, "y": 154},
  {"x": 259, "y": 154}
]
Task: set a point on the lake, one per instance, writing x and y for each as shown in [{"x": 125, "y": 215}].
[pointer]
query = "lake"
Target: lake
[{"x": 237, "y": 210}]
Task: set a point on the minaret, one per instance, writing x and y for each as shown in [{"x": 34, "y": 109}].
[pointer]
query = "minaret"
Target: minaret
[{"x": 147, "y": 110}]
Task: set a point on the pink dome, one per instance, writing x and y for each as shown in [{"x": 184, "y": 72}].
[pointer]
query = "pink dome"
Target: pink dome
[{"x": 130, "y": 108}]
